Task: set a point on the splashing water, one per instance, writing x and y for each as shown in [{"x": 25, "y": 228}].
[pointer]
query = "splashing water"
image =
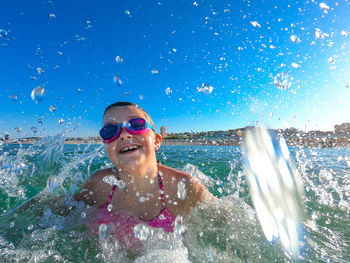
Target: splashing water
[
  {"x": 37, "y": 94},
  {"x": 295, "y": 39},
  {"x": 3, "y": 33},
  {"x": 39, "y": 70},
  {"x": 168, "y": 91},
  {"x": 117, "y": 80},
  {"x": 154, "y": 71},
  {"x": 275, "y": 187},
  {"x": 222, "y": 230},
  {"x": 52, "y": 108},
  {"x": 143, "y": 232},
  {"x": 255, "y": 24},
  {"x": 103, "y": 231},
  {"x": 119, "y": 59},
  {"x": 205, "y": 88},
  {"x": 324, "y": 6},
  {"x": 13, "y": 97},
  {"x": 181, "y": 190},
  {"x": 283, "y": 81}
]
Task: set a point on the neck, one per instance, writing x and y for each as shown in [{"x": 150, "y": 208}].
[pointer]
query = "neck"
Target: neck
[{"x": 140, "y": 179}]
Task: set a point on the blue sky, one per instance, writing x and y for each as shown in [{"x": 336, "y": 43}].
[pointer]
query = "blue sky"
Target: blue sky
[{"x": 70, "y": 47}]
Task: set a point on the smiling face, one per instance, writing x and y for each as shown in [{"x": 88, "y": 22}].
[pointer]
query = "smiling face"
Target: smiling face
[{"x": 131, "y": 151}]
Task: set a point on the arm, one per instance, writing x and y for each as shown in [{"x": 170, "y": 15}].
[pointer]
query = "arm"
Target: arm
[{"x": 94, "y": 190}]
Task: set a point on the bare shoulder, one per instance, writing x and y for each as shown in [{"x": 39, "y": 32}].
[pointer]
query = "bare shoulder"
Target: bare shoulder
[
  {"x": 195, "y": 189},
  {"x": 94, "y": 190}
]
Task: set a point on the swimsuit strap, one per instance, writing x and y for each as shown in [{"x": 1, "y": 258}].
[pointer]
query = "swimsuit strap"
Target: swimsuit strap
[
  {"x": 111, "y": 195},
  {"x": 161, "y": 190}
]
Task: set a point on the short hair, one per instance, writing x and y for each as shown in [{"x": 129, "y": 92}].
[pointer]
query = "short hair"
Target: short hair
[{"x": 126, "y": 103}]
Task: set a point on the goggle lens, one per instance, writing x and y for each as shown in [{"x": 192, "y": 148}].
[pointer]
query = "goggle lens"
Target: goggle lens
[
  {"x": 137, "y": 124},
  {"x": 111, "y": 131}
]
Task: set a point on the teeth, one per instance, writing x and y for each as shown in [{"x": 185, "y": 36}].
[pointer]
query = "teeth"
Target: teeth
[{"x": 129, "y": 148}]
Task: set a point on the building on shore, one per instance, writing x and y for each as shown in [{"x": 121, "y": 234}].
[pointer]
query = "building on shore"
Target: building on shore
[
  {"x": 163, "y": 131},
  {"x": 343, "y": 128}
]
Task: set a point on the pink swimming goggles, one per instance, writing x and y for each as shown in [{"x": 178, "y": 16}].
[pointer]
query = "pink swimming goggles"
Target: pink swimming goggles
[{"x": 111, "y": 132}]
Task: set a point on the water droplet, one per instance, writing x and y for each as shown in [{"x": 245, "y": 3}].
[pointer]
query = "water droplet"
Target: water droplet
[
  {"x": 195, "y": 3},
  {"x": 127, "y": 12},
  {"x": 39, "y": 70},
  {"x": 324, "y": 6},
  {"x": 13, "y": 97},
  {"x": 79, "y": 38},
  {"x": 141, "y": 97},
  {"x": 18, "y": 129},
  {"x": 295, "y": 65},
  {"x": 37, "y": 94},
  {"x": 40, "y": 121},
  {"x": 181, "y": 190},
  {"x": 168, "y": 91},
  {"x": 110, "y": 179},
  {"x": 319, "y": 34},
  {"x": 255, "y": 24},
  {"x": 117, "y": 80},
  {"x": 103, "y": 231},
  {"x": 88, "y": 24},
  {"x": 52, "y": 15},
  {"x": 331, "y": 60},
  {"x": 80, "y": 90},
  {"x": 83, "y": 215},
  {"x": 30, "y": 227},
  {"x": 205, "y": 88},
  {"x": 120, "y": 184},
  {"x": 295, "y": 39},
  {"x": 283, "y": 81},
  {"x": 3, "y": 33},
  {"x": 34, "y": 130},
  {"x": 143, "y": 199},
  {"x": 179, "y": 227},
  {"x": 119, "y": 59},
  {"x": 60, "y": 121},
  {"x": 143, "y": 232},
  {"x": 52, "y": 108},
  {"x": 344, "y": 33},
  {"x": 154, "y": 71},
  {"x": 161, "y": 217},
  {"x": 110, "y": 207}
]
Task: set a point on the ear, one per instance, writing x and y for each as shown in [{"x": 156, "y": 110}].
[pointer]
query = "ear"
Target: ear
[{"x": 157, "y": 141}]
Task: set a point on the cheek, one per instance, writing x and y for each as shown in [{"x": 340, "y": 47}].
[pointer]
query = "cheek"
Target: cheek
[
  {"x": 110, "y": 149},
  {"x": 150, "y": 139}
]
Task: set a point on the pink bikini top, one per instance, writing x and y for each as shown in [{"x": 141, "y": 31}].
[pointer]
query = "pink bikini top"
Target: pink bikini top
[{"x": 164, "y": 220}]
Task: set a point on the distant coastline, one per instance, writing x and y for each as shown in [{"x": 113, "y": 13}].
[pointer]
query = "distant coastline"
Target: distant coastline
[{"x": 340, "y": 137}]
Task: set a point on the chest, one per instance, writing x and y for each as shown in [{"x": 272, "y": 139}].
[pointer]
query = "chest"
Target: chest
[{"x": 143, "y": 207}]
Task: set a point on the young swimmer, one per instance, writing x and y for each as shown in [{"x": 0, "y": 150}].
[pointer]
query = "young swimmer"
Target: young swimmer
[{"x": 143, "y": 190}]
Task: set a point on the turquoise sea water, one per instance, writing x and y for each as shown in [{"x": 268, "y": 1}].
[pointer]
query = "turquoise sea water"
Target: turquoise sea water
[{"x": 52, "y": 228}]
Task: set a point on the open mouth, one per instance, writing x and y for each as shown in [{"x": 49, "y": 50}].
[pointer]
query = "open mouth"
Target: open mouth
[{"x": 129, "y": 149}]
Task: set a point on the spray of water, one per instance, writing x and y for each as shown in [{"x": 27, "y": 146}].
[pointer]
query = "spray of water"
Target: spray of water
[{"x": 275, "y": 188}]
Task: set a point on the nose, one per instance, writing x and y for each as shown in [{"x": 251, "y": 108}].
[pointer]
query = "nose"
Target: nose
[{"x": 124, "y": 134}]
